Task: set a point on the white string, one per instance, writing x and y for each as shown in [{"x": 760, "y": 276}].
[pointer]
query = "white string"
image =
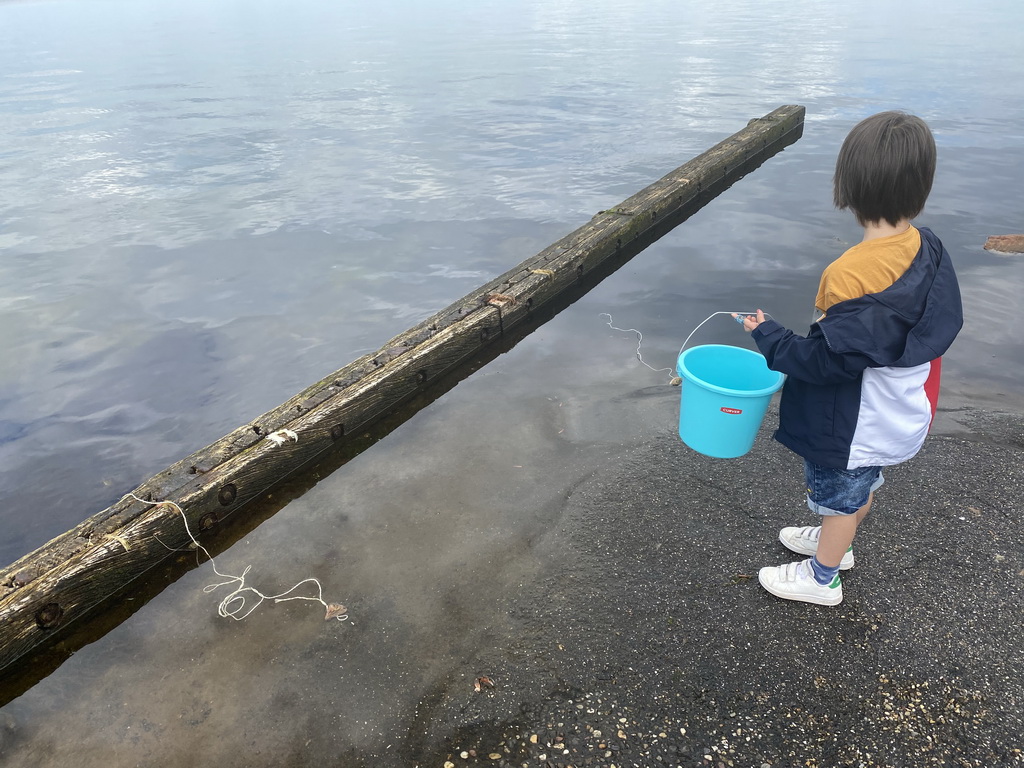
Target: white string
[
  {"x": 233, "y": 605},
  {"x": 639, "y": 341},
  {"x": 640, "y": 336}
]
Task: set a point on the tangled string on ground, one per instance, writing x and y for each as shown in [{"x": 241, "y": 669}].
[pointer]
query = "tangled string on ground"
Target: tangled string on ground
[{"x": 234, "y": 605}]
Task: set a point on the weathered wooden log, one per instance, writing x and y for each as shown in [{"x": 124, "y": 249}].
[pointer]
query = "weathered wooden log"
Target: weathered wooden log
[{"x": 58, "y": 583}]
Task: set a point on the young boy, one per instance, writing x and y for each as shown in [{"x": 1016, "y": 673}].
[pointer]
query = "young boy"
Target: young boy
[{"x": 862, "y": 386}]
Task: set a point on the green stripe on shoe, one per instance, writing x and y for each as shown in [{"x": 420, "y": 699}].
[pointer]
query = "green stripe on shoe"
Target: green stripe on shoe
[{"x": 835, "y": 582}]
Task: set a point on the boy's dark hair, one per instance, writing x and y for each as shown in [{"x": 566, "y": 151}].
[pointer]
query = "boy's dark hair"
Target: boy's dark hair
[{"x": 885, "y": 168}]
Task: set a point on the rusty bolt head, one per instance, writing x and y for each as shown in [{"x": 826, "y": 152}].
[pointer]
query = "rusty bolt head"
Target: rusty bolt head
[
  {"x": 227, "y": 494},
  {"x": 49, "y": 616},
  {"x": 207, "y": 521}
]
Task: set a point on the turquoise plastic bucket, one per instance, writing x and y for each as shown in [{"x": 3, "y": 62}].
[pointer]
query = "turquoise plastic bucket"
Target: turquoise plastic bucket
[{"x": 725, "y": 393}]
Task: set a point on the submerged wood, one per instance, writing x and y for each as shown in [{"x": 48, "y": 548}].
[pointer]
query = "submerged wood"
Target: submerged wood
[{"x": 59, "y": 582}]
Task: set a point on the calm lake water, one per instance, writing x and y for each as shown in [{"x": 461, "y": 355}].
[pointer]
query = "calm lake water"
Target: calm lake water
[{"x": 204, "y": 207}]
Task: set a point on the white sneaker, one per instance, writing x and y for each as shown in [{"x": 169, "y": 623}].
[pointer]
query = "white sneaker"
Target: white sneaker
[
  {"x": 795, "y": 581},
  {"x": 804, "y": 541}
]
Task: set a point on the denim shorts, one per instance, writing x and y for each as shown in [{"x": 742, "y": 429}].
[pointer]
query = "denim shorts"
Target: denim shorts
[{"x": 840, "y": 491}]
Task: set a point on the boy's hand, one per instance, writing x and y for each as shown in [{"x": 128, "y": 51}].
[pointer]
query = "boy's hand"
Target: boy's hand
[{"x": 750, "y": 322}]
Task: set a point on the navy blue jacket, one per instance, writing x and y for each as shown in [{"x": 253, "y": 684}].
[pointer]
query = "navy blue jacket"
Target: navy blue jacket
[{"x": 862, "y": 386}]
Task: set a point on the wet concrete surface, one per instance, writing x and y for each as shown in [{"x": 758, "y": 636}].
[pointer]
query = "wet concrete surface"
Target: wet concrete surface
[
  {"x": 542, "y": 526},
  {"x": 647, "y": 640}
]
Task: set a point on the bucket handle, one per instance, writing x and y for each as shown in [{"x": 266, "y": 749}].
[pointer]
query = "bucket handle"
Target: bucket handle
[
  {"x": 675, "y": 381},
  {"x": 738, "y": 319}
]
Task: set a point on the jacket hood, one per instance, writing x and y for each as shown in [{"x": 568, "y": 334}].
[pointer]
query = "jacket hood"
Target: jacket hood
[{"x": 911, "y": 322}]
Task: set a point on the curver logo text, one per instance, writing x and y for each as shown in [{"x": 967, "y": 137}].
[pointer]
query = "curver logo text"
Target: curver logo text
[{"x": 731, "y": 410}]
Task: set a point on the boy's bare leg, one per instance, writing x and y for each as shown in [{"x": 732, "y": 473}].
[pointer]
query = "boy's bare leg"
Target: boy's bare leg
[
  {"x": 837, "y": 532},
  {"x": 863, "y": 511}
]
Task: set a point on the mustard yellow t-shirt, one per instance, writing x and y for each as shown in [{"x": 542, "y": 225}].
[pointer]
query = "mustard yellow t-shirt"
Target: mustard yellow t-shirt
[{"x": 868, "y": 267}]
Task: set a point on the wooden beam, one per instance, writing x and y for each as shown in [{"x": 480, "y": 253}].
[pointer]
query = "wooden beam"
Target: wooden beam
[{"x": 61, "y": 581}]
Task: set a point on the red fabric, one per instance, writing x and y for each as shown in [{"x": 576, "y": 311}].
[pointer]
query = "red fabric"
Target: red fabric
[{"x": 931, "y": 385}]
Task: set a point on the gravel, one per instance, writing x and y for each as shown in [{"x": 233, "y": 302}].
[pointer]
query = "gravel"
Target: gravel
[{"x": 647, "y": 640}]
